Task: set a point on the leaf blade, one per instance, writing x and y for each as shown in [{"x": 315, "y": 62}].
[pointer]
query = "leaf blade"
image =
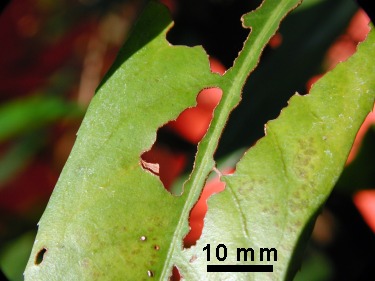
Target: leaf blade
[
  {"x": 280, "y": 184},
  {"x": 108, "y": 217}
]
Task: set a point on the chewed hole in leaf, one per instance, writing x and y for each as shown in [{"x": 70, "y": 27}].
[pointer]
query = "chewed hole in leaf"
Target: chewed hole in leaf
[
  {"x": 176, "y": 276},
  {"x": 39, "y": 256},
  {"x": 165, "y": 161},
  {"x": 192, "y": 124},
  {"x": 220, "y": 33},
  {"x": 173, "y": 151},
  {"x": 199, "y": 211}
]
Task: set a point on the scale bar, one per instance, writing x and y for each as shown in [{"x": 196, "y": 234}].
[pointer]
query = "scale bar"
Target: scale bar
[{"x": 239, "y": 268}]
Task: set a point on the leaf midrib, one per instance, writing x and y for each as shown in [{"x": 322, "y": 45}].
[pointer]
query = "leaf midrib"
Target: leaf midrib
[{"x": 235, "y": 77}]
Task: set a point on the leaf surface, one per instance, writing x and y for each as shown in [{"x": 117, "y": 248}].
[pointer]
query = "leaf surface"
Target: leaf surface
[
  {"x": 109, "y": 219},
  {"x": 305, "y": 38},
  {"x": 280, "y": 183}
]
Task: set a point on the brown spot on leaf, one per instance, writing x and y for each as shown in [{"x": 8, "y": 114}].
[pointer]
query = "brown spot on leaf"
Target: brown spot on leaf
[
  {"x": 305, "y": 158},
  {"x": 193, "y": 258},
  {"x": 152, "y": 167}
]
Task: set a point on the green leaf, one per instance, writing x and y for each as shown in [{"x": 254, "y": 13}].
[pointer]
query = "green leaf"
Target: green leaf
[
  {"x": 316, "y": 267},
  {"x": 110, "y": 219},
  {"x": 14, "y": 256},
  {"x": 281, "y": 183},
  {"x": 305, "y": 40},
  {"x": 18, "y": 156},
  {"x": 23, "y": 116},
  {"x": 104, "y": 201}
]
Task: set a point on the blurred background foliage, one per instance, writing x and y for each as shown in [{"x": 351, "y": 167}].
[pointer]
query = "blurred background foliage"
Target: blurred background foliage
[{"x": 54, "y": 54}]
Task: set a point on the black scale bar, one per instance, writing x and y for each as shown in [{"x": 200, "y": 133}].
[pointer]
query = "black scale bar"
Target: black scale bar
[{"x": 239, "y": 268}]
